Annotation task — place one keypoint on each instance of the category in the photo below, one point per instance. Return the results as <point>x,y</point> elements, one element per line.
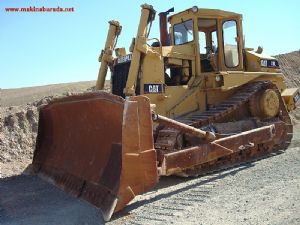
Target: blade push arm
<point>106,54</point>
<point>147,16</point>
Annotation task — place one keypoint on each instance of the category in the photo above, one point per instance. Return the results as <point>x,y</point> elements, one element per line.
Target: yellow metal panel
<point>186,51</point>
<point>168,99</point>
<point>289,92</point>
<point>183,103</point>
<point>174,61</point>
<point>237,78</point>
<point>106,54</point>
<point>136,55</point>
<point>178,100</point>
<point>152,70</point>
<point>289,97</point>
<point>203,13</point>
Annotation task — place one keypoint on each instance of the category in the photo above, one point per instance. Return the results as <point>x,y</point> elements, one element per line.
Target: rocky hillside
<point>290,66</point>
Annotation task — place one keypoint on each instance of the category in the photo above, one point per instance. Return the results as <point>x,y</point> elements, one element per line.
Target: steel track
<point>226,111</point>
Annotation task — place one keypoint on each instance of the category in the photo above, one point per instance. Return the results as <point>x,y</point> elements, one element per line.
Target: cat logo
<point>153,88</point>
<point>125,59</point>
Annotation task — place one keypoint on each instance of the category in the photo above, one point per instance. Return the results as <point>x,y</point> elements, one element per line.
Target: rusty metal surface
<point>97,147</point>
<point>168,139</point>
<point>76,147</point>
<point>139,171</point>
<point>209,136</point>
<point>76,134</point>
<point>177,161</point>
<point>256,136</point>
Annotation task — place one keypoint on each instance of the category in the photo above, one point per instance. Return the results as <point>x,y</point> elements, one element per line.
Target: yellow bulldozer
<point>194,101</point>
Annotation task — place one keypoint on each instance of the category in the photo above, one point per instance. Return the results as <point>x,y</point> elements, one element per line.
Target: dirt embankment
<point>19,112</point>
<point>19,121</point>
<point>22,96</point>
<point>18,128</point>
<point>290,66</point>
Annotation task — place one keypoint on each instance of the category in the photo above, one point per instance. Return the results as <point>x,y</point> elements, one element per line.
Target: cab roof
<point>205,13</point>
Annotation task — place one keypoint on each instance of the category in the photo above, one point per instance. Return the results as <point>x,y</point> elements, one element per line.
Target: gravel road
<point>262,192</point>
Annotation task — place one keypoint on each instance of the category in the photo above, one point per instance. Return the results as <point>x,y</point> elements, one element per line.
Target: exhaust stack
<point>163,25</point>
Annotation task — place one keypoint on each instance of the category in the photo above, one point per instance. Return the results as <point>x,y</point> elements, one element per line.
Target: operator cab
<point>208,44</point>
<point>216,35</point>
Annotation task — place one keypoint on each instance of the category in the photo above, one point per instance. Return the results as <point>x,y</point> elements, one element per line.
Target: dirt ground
<point>262,192</point>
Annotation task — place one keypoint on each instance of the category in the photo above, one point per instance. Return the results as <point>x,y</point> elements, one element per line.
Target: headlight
<point>264,63</point>
<point>270,63</point>
<point>218,78</point>
<point>195,9</point>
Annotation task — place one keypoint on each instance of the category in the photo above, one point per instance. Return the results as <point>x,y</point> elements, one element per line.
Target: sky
<point>51,47</point>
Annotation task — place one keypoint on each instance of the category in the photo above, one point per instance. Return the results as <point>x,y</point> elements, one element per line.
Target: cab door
<point>231,44</point>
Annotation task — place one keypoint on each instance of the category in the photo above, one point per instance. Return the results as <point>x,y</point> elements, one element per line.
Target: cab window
<point>202,42</point>
<point>183,32</point>
<point>214,41</point>
<point>208,44</point>
<point>230,44</point>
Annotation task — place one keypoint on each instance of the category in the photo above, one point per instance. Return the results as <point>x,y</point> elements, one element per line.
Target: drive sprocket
<point>264,104</point>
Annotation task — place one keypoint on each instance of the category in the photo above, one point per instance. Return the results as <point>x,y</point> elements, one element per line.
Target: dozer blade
<point>98,147</point>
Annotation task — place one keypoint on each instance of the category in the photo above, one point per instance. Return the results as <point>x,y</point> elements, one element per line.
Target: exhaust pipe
<point>163,25</point>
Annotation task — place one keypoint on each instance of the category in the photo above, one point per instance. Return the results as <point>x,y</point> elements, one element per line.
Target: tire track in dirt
<point>241,189</point>
<point>172,198</point>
